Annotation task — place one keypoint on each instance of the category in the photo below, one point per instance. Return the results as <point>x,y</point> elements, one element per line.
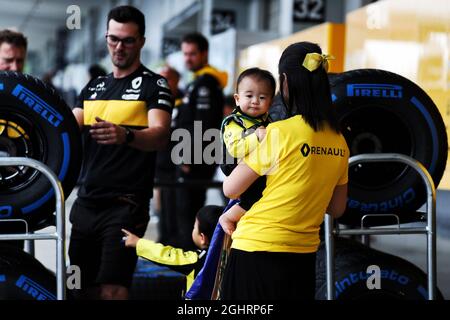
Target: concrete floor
<point>409,247</point>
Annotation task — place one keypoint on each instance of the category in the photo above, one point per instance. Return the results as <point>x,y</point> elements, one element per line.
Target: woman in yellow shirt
<point>305,160</point>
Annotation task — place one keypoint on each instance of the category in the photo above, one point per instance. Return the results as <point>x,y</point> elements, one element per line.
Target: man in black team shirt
<point>203,103</point>
<point>125,116</point>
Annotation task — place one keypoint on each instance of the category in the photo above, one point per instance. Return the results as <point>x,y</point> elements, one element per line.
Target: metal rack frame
<point>60,233</point>
<point>429,229</point>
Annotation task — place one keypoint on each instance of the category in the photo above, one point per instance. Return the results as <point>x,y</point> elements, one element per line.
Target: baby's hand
<point>260,133</point>
<point>227,225</point>
<point>130,239</point>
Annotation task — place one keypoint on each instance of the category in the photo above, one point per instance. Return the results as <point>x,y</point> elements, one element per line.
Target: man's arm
<point>79,116</point>
<point>154,137</point>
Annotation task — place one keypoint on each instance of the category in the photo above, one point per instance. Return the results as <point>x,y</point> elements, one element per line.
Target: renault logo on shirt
<point>136,83</point>
<point>306,150</point>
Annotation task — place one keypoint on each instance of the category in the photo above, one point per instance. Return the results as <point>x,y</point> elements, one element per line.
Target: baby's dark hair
<point>207,217</point>
<point>258,74</point>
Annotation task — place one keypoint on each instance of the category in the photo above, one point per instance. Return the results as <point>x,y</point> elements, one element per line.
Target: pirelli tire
<point>22,277</point>
<point>399,279</point>
<point>35,122</point>
<point>155,282</point>
<point>382,112</point>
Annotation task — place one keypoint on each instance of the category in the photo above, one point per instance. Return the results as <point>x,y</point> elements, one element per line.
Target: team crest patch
<point>162,83</point>
<point>136,83</point>
<point>203,92</point>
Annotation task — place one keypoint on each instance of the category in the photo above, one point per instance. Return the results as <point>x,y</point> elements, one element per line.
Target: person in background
<point>273,253</point>
<point>229,105</point>
<point>13,50</point>
<point>165,197</point>
<point>124,117</point>
<point>202,106</point>
<point>186,262</point>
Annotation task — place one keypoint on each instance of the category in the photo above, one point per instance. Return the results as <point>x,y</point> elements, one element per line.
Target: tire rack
<point>60,233</point>
<point>429,229</point>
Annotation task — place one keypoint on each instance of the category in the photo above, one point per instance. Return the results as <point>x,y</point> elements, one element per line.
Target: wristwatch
<point>129,135</point>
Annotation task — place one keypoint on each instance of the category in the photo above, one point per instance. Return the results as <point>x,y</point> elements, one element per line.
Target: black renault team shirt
<point>203,102</point>
<point>114,170</point>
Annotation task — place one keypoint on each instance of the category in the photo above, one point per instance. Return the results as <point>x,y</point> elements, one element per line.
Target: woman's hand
<point>130,239</point>
<point>227,224</point>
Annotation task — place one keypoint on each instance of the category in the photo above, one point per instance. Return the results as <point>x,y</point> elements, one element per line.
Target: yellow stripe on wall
<point>129,113</point>
<point>330,37</point>
<point>336,46</point>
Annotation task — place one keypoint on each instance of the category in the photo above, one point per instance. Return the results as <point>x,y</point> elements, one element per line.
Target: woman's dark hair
<point>258,74</point>
<point>207,217</point>
<point>125,14</point>
<point>309,92</point>
<point>198,39</point>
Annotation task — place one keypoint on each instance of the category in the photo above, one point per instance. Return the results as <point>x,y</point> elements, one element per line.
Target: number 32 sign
<point>309,10</point>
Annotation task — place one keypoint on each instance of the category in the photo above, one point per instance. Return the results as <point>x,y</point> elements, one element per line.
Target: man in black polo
<point>125,116</point>
<point>202,105</point>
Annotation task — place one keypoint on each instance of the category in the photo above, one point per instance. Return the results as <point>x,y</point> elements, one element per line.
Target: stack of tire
<point>380,112</point>
<point>399,279</point>
<point>34,123</point>
<point>22,277</point>
<point>154,282</point>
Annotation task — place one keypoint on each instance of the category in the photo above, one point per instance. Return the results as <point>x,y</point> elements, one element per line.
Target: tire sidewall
<point>416,113</point>
<point>53,121</point>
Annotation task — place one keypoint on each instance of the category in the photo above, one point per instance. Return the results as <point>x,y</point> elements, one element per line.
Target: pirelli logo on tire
<point>307,150</point>
<point>375,90</point>
<point>38,105</point>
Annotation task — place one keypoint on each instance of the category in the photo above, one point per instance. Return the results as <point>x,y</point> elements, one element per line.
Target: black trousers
<point>96,245</point>
<point>190,200</point>
<point>167,226</point>
<point>269,275</point>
